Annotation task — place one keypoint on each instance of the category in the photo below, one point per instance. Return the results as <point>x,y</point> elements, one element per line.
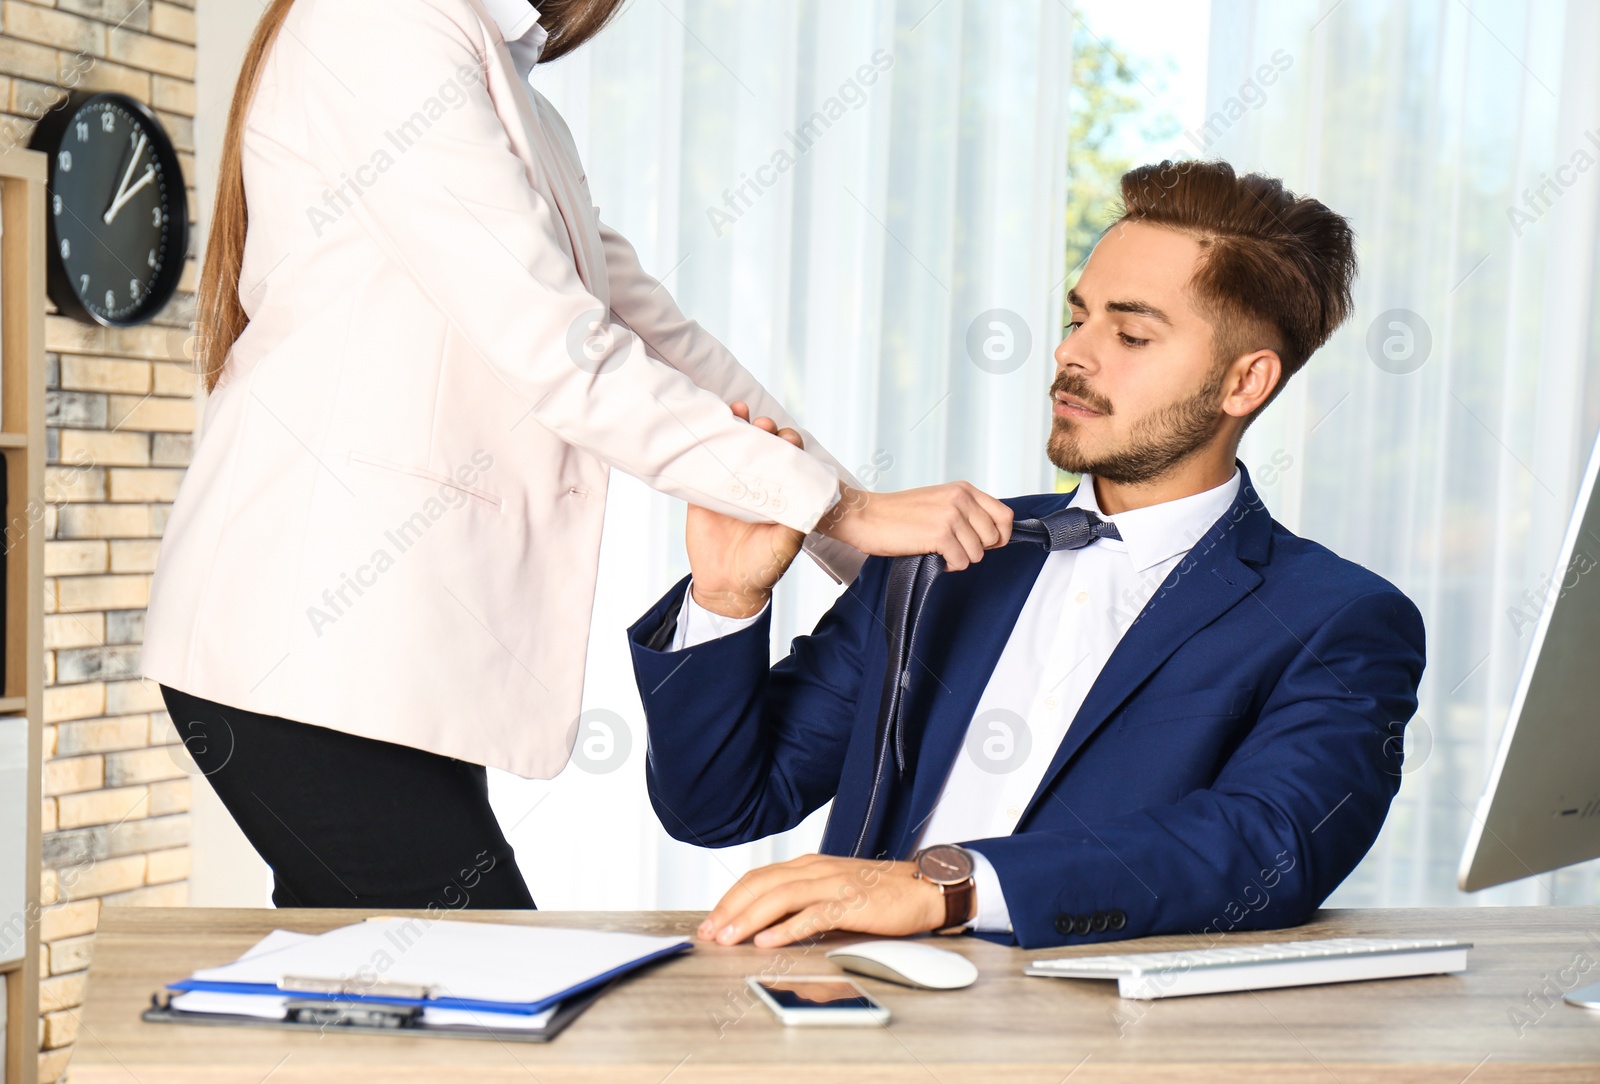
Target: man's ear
<point>1251,378</point>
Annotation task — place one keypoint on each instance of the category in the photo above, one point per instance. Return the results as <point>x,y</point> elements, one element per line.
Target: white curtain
<point>1440,438</point>
<point>865,200</point>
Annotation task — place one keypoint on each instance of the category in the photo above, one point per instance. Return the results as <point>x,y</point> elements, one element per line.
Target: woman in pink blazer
<point>425,352</point>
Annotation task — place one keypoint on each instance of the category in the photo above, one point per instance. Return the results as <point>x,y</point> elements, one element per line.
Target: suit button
<point>1116,920</point>
<point>1080,924</point>
<point>1099,921</point>
<point>1063,925</point>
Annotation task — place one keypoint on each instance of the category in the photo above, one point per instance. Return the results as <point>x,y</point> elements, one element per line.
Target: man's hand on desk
<point>807,896</point>
<point>736,564</point>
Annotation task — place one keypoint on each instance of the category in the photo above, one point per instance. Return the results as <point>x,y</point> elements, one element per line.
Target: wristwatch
<point>950,867</point>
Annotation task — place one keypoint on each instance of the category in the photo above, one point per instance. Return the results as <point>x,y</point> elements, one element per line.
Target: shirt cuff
<point>696,624</point>
<point>993,915</point>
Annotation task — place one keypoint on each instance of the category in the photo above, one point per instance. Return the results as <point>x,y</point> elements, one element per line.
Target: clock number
<point>65,159</point>
<point>66,248</point>
<point>83,131</point>
<point>107,122</point>
<point>133,288</point>
<point>55,203</point>
<point>83,284</point>
<point>151,259</point>
<point>155,215</point>
<point>111,300</point>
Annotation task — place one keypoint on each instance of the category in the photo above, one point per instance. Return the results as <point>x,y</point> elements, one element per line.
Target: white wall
<point>225,870</point>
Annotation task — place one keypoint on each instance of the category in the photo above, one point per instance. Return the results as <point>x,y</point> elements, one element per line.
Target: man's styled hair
<point>1275,268</point>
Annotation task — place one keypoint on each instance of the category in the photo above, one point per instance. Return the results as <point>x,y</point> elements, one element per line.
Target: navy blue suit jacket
<point>1232,762</point>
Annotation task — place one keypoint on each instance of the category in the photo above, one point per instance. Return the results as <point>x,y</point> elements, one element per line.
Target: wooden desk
<point>684,1021</point>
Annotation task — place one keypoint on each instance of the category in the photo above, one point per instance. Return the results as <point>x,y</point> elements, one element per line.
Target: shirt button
<point>1013,812</point>
<point>1052,702</point>
<point>1083,596</point>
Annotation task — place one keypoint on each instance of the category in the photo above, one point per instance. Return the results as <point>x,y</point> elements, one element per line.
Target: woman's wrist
<point>729,601</point>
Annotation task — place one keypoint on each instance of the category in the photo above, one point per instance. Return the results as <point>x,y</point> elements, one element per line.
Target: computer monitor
<point>1541,808</point>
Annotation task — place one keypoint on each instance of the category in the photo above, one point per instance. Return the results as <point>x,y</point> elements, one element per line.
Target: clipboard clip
<point>348,987</point>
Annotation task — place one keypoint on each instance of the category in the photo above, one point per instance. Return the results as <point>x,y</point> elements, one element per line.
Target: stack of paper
<point>462,974</point>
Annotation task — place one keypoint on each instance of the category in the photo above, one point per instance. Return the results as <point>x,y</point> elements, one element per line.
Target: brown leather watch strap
<point>957,906</point>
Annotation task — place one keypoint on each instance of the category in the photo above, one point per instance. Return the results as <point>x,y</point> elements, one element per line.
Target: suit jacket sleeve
<point>739,751</point>
<point>452,205</point>
<point>1294,808</point>
<point>641,302</point>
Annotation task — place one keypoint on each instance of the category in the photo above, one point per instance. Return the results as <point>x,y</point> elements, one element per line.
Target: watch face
<point>117,210</point>
<point>945,864</point>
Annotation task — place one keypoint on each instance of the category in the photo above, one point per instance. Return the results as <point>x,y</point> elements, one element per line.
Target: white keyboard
<point>1148,975</point>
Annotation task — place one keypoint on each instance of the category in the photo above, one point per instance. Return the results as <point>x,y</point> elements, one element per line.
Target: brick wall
<point>120,410</point>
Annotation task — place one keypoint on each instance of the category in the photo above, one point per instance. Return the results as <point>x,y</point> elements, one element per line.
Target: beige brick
<point>74,701</point>
<point>167,866</point>
<point>67,336</point>
<point>171,449</point>
<point>97,74</point>
<point>104,735</point>
<point>74,484</point>
<point>154,414</point>
<point>152,54</point>
<point>50,606</point>
<point>162,732</point>
<point>129,13</point>
<point>47,888</point>
<point>170,21</point>
<point>75,558</point>
<point>102,877</point>
<point>31,98</point>
<point>78,593</point>
<point>73,630</point>
<point>149,834</point>
<point>60,1029</point>
<point>72,774</point>
<point>175,379</point>
<point>134,554</point>
<point>104,807</point>
<point>128,697</point>
<point>71,954</point>
<point>61,992</point>
<point>102,521</point>
<point>47,815</point>
<point>142,766</point>
<point>49,667</point>
<point>147,484</point>
<point>57,28</point>
<point>171,894</point>
<point>105,449</point>
<point>28,59</point>
<point>169,797</point>
<point>68,920</point>
<point>87,373</point>
<point>152,342</point>
<point>173,95</point>
<point>53,1064</point>
<point>189,281</point>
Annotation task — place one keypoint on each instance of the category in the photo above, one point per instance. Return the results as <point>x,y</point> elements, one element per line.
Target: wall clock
<point>118,213</point>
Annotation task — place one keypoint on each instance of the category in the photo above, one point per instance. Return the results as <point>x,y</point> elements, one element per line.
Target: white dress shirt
<point>1074,616</point>
<point>518,21</point>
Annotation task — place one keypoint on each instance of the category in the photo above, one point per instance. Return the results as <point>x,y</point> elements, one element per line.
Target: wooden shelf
<point>23,229</point>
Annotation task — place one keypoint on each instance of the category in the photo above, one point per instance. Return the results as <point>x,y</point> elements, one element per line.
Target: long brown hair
<point>219,317</point>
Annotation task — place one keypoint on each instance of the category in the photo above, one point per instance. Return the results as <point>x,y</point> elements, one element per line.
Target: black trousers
<point>346,821</point>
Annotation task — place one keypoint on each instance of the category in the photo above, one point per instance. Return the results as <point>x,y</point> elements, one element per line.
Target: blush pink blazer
<point>391,524</point>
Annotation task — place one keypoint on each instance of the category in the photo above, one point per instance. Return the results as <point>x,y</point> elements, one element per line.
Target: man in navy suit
<point>1178,717</point>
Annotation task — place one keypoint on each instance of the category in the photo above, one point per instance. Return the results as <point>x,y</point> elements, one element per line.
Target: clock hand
<point>149,175</point>
<point>120,198</point>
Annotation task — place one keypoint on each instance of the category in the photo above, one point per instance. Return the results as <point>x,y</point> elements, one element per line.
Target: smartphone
<point>818,999</point>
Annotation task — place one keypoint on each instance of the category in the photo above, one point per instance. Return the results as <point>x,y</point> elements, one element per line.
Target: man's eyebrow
<point>1132,308</point>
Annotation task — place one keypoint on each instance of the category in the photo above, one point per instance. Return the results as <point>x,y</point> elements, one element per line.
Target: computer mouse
<point>910,963</point>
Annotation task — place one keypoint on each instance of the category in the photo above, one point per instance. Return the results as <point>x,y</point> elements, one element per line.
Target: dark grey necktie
<point>910,581</point>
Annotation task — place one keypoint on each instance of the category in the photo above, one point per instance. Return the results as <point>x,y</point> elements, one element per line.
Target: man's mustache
<point>1076,386</point>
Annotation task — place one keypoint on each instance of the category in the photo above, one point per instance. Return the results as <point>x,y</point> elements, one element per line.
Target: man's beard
<point>1158,443</point>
